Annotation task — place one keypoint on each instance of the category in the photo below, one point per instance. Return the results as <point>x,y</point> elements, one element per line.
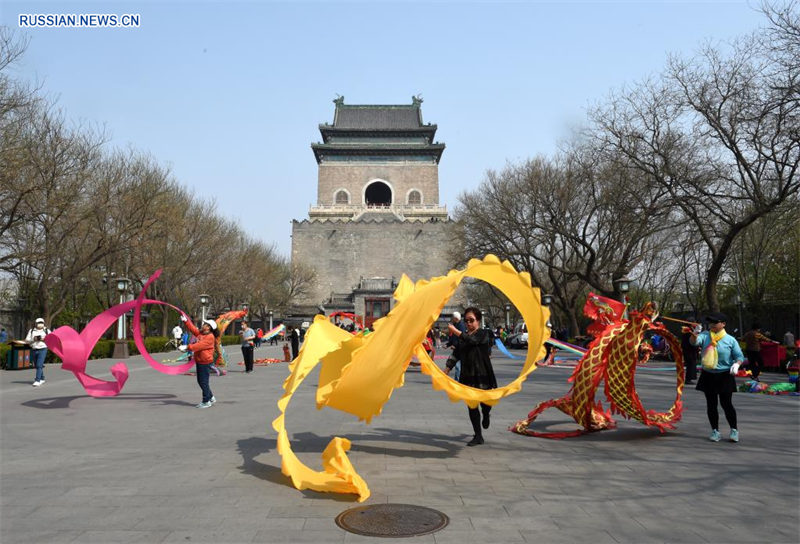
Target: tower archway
<point>378,193</point>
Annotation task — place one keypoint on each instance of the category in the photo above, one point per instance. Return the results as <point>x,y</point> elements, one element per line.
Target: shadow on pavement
<point>50,403</point>
<point>250,448</point>
<point>438,447</point>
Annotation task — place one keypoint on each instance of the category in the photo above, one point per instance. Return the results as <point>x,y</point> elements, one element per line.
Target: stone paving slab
<point>147,466</point>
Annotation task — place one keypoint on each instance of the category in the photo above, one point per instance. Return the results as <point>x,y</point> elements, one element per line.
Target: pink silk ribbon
<point>74,349</point>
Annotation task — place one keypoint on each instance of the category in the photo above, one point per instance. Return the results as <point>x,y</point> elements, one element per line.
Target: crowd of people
<point>718,353</point>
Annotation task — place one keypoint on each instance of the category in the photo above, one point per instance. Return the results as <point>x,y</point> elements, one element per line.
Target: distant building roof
<point>377,117</point>
<point>391,130</point>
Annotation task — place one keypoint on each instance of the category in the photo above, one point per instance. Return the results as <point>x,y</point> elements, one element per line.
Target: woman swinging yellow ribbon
<point>358,373</point>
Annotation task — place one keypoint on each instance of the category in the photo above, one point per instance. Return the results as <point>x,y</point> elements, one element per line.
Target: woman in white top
<point>35,339</point>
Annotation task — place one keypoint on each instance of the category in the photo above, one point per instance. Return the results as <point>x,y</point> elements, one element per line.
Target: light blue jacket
<point>728,351</point>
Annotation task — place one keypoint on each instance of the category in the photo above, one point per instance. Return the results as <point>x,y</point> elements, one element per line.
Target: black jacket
<point>476,366</point>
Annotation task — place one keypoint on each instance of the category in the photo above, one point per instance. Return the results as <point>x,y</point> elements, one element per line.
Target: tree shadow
<point>50,403</point>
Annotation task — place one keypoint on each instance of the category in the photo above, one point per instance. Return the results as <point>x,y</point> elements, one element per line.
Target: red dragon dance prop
<point>612,356</point>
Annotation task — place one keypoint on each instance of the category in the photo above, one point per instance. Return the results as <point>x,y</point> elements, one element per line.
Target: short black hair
<point>474,311</point>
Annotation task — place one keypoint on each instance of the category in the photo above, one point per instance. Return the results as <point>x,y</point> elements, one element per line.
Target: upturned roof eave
<point>433,150</point>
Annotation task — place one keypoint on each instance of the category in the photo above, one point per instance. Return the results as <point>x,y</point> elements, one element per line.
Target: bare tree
<point>766,260</point>
<point>720,133</point>
<point>18,107</point>
<point>572,223</point>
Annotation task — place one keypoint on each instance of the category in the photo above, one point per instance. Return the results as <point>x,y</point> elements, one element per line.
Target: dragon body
<point>612,357</point>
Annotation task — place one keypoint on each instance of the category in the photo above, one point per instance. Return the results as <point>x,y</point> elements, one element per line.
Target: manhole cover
<point>392,520</point>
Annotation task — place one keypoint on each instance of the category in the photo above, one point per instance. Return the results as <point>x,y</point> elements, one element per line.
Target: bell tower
<point>377,213</point>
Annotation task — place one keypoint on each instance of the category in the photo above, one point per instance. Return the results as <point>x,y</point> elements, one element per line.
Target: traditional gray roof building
<point>377,133</point>
<point>378,158</point>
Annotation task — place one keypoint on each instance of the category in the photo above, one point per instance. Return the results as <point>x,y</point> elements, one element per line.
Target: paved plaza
<point>147,466</point>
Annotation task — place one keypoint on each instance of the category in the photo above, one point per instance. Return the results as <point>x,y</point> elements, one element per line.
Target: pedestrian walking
<point>476,366</point>
<point>453,339</point>
<point>752,349</point>
<point>721,358</point>
<point>203,351</point>
<point>294,339</point>
<point>248,341</point>
<point>35,338</point>
<point>788,339</point>
<point>177,334</point>
<point>689,351</point>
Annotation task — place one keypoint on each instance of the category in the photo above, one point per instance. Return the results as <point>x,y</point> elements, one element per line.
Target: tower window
<point>414,197</point>
<point>342,197</point>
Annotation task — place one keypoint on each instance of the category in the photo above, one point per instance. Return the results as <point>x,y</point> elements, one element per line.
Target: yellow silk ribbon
<point>359,373</point>
<point>710,356</point>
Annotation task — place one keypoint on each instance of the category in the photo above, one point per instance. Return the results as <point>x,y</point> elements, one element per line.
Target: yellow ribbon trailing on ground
<point>359,373</point>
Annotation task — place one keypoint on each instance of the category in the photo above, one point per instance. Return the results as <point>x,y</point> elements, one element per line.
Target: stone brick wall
<point>343,252</point>
<point>402,177</point>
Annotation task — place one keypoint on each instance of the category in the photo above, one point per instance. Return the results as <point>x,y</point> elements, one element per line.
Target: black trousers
<point>475,417</point>
<point>247,353</point>
<point>726,401</point>
<point>755,362</point>
<point>690,362</point>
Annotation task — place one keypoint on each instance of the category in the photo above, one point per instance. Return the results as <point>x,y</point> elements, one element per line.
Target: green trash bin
<point>19,356</point>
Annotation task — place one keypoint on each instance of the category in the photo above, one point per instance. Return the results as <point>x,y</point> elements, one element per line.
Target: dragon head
<point>650,310</point>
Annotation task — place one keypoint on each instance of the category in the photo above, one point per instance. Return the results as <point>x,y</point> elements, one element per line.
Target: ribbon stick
<point>677,320</point>
<point>577,350</point>
<point>359,373</point>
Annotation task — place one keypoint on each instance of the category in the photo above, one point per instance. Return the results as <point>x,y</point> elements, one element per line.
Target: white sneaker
<point>204,405</point>
<point>41,382</point>
<point>37,383</point>
<point>213,400</point>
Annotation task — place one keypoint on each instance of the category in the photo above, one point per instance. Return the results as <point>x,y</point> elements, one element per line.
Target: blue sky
<point>230,94</point>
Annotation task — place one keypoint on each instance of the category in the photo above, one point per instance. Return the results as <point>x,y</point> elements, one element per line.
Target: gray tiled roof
<point>377,117</point>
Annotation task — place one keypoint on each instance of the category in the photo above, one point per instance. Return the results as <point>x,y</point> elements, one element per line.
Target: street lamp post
<point>204,299</point>
<point>623,286</point>
<point>508,310</point>
<point>547,300</point>
<point>270,320</point>
<point>22,302</point>
<point>739,310</point>
<point>121,344</point>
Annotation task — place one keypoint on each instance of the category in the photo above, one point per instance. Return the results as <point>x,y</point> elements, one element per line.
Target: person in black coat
<point>476,366</point>
<point>294,338</point>
<point>689,355</point>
